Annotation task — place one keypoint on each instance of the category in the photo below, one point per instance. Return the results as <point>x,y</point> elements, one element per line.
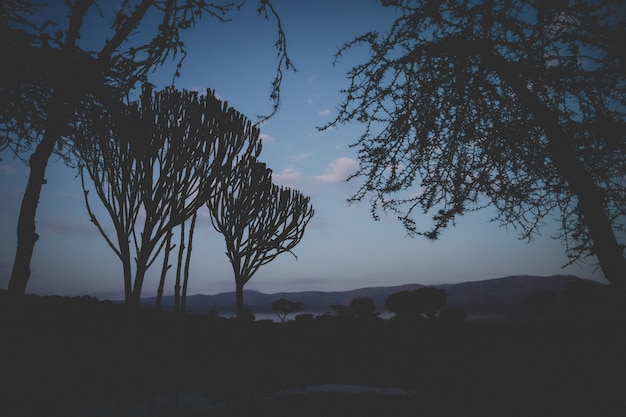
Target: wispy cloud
<point>338,170</point>
<point>7,169</point>
<point>324,112</point>
<point>288,177</point>
<point>299,157</point>
<point>265,138</point>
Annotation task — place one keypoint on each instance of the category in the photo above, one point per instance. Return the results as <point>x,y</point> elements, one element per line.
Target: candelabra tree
<point>62,56</point>
<point>153,164</point>
<point>259,220</point>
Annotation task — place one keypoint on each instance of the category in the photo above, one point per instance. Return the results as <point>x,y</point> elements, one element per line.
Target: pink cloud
<point>338,170</point>
<point>7,169</point>
<point>288,176</point>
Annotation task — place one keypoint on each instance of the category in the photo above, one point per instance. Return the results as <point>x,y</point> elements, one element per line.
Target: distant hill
<point>496,298</point>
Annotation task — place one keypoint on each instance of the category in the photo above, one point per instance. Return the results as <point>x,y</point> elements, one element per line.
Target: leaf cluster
<point>447,132</point>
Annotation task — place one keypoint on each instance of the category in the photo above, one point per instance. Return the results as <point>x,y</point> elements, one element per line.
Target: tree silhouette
<point>402,304</point>
<point>283,307</point>
<point>516,105</point>
<point>258,219</point>
<point>154,164</point>
<point>363,308</point>
<point>430,300</point>
<point>424,301</point>
<point>50,78</point>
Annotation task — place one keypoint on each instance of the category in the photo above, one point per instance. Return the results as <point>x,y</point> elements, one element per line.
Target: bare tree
<point>259,220</point>
<point>154,164</point>
<point>48,77</point>
<point>514,104</point>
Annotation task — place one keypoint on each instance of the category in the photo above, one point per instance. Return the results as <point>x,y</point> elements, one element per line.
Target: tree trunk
<point>590,206</point>
<point>183,301</point>
<point>26,234</point>
<point>239,299</point>
<point>166,267</point>
<point>179,266</point>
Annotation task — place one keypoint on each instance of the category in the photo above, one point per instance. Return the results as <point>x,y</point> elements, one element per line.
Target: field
<point>61,357</point>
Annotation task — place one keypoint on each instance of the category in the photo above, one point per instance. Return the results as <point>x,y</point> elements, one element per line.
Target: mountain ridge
<point>497,297</point>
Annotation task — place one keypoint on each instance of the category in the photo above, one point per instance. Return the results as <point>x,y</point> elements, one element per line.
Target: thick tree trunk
<point>26,230</point>
<point>590,205</point>
<point>239,299</point>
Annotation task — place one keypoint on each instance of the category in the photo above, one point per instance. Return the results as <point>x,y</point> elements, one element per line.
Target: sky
<point>343,247</point>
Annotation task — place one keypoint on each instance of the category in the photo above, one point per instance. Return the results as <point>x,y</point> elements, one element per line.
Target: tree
<point>514,104</point>
<point>424,301</point>
<point>50,77</point>
<point>283,307</point>
<point>153,165</point>
<point>430,300</point>
<point>364,308</point>
<point>402,304</point>
<point>258,219</point>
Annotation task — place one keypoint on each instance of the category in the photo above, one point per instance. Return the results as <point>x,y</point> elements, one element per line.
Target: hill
<point>496,298</point>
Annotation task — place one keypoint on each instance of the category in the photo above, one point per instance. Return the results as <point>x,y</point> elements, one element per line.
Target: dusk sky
<point>343,247</point>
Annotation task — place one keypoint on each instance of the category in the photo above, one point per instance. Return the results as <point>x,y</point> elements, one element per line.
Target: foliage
<point>283,307</point>
<point>518,105</point>
<point>154,164</point>
<point>430,300</point>
<point>364,308</point>
<point>51,77</point>
<point>46,58</point>
<point>424,301</point>
<point>259,220</point>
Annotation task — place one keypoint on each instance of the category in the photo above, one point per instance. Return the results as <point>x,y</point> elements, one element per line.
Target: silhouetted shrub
<point>363,308</point>
<point>304,318</point>
<point>402,304</point>
<point>425,301</point>
<point>430,300</point>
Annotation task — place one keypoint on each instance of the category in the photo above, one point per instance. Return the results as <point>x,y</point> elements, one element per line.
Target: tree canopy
<point>514,104</point>
<point>259,220</point>
<point>50,74</point>
<point>154,163</point>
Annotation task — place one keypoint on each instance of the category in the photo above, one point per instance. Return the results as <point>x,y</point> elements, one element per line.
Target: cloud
<point>7,169</point>
<point>338,170</point>
<point>324,112</point>
<point>299,157</point>
<point>266,138</point>
<point>288,176</point>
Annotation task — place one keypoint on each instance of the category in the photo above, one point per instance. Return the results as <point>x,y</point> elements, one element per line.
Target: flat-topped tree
<point>153,164</point>
<point>259,220</point>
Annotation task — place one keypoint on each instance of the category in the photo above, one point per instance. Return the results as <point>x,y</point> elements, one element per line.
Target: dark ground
<point>59,356</point>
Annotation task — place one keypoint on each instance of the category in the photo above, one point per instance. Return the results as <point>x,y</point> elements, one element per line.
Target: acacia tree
<point>154,164</point>
<point>259,220</point>
<point>513,104</point>
<point>283,307</point>
<point>50,76</point>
